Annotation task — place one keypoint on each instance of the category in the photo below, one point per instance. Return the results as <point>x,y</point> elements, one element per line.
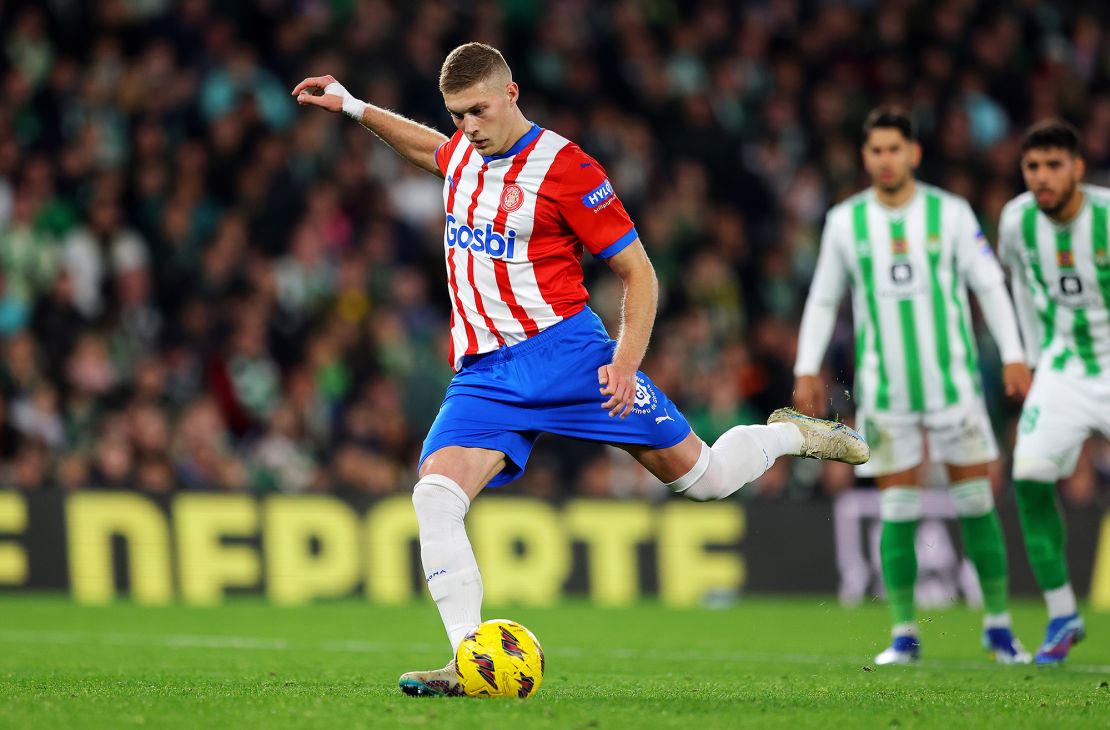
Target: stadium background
<point>204,288</point>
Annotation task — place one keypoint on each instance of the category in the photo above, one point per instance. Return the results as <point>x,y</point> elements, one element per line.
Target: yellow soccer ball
<point>500,658</point>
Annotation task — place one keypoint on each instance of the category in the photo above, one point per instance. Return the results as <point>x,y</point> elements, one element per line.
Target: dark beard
<point>1065,200</point>
<point>895,187</point>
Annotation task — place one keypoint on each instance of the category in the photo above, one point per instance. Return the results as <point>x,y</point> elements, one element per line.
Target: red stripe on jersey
<point>505,287</point>
<point>451,339</point>
<point>471,336</point>
<point>510,177</point>
<point>478,304</point>
<point>558,268</point>
<point>454,182</point>
<point>444,151</point>
<point>477,194</point>
<point>500,269</point>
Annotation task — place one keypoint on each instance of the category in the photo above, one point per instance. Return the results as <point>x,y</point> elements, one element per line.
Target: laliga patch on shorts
<point>646,400</point>
<point>598,195</point>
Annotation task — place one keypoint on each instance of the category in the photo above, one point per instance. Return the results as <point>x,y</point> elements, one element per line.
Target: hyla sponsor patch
<point>599,195</point>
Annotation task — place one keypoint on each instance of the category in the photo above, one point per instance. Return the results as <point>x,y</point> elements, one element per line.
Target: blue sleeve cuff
<point>618,245</point>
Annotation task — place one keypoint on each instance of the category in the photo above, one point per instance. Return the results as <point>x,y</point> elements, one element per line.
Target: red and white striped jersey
<point>516,226</point>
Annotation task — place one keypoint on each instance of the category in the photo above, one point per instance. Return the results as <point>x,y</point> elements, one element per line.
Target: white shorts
<point>1060,412</point>
<point>960,435</point>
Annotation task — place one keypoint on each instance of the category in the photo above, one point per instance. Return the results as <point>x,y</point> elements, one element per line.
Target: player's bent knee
<point>686,482</point>
<point>734,461</point>
<point>435,493</point>
<point>704,482</point>
<point>705,490</point>
<point>1035,469</point>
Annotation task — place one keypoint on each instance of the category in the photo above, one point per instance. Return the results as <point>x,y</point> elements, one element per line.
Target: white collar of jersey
<point>903,209</point>
<point>521,143</point>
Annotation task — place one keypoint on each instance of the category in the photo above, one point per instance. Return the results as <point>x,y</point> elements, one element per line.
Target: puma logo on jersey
<point>665,417</point>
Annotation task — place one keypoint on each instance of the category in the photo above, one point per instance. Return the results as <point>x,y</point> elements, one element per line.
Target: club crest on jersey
<point>479,240</point>
<point>512,197</point>
<point>899,247</point>
<point>1065,259</point>
<point>596,197</point>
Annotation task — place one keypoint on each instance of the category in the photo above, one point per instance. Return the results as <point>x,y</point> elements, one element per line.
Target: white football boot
<point>823,439</point>
<point>902,650</point>
<point>432,683</point>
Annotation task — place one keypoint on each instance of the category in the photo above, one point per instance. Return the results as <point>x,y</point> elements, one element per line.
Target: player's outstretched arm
<point>413,141</point>
<point>641,297</point>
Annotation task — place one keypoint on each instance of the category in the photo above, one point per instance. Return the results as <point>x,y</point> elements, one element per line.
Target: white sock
<point>900,504</point>
<point>739,456</point>
<point>777,439</point>
<point>903,630</point>
<point>449,564</point>
<point>997,620</point>
<point>972,497</point>
<point>1061,601</point>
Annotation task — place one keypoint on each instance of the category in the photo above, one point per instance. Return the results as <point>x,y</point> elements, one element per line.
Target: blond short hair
<point>469,64</point>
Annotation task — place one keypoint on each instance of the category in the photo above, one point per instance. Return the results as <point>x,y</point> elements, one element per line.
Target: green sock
<point>1043,528</point>
<point>899,558</point>
<point>983,541</point>
<point>984,545</point>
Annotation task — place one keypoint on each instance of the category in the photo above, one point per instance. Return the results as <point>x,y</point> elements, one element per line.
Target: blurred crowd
<point>203,286</point>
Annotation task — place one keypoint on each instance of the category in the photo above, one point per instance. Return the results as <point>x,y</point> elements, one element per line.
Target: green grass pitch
<point>797,662</point>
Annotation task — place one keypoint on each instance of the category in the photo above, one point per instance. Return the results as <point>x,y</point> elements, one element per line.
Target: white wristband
<point>352,107</point>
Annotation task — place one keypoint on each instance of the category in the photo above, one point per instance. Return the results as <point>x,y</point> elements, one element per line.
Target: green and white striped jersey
<point>909,269</point>
<point>1061,282</point>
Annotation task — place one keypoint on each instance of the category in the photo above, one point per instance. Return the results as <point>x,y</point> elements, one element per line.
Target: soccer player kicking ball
<point>1053,239</point>
<point>521,202</point>
<point>909,251</point>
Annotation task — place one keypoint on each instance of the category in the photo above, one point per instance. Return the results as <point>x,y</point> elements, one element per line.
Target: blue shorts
<point>505,399</point>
